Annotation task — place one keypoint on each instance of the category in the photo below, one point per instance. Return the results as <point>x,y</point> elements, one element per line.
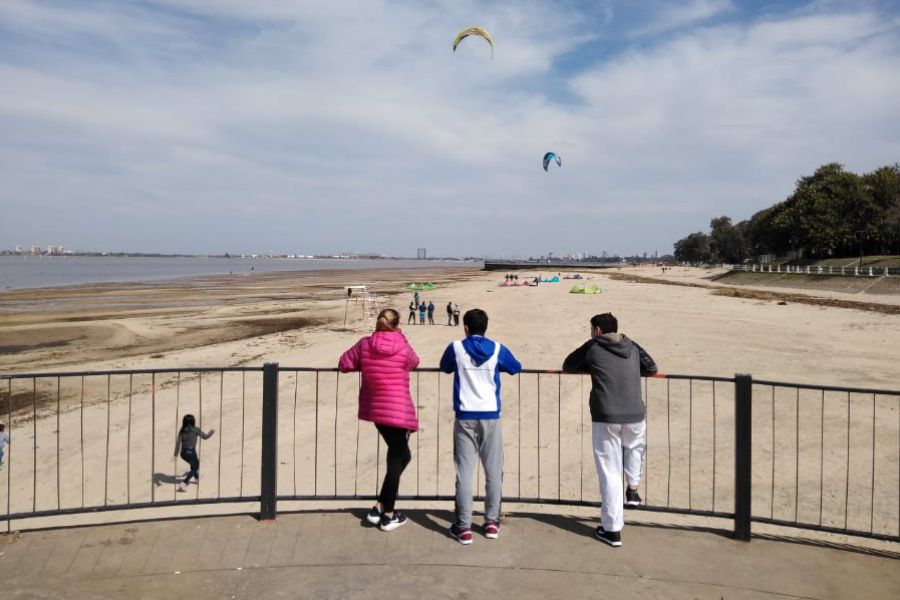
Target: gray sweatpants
<point>474,439</point>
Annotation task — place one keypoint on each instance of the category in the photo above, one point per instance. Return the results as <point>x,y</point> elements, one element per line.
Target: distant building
<point>35,250</point>
<point>421,254</point>
<point>18,249</point>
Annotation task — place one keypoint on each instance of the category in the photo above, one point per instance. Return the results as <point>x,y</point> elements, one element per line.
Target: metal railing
<point>813,457</point>
<point>819,270</point>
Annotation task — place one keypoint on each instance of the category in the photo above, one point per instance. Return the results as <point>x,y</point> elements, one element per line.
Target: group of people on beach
<point>423,309</point>
<point>385,358</point>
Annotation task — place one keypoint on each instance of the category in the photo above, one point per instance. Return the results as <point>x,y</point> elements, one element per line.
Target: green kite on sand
<point>585,289</point>
<point>421,286</point>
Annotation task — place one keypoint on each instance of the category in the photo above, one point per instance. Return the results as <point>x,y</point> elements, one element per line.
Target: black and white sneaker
<point>374,516</point>
<point>391,523</point>
<point>613,538</point>
<point>632,498</point>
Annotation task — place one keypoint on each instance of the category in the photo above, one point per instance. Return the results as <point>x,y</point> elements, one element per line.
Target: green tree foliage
<point>726,241</point>
<point>832,212</point>
<point>694,248</point>
<point>883,188</point>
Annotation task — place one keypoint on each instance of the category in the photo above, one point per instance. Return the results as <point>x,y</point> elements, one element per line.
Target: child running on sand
<point>187,443</point>
<point>4,439</point>
<point>476,363</point>
<point>385,359</point>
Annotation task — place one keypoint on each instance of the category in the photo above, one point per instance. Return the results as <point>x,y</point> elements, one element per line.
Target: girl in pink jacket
<point>385,359</point>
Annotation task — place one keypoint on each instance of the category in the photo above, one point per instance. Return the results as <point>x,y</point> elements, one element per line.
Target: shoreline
<point>264,265</point>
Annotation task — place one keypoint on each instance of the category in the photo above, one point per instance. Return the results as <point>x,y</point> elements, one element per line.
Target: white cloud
<point>300,125</point>
<point>669,15</point>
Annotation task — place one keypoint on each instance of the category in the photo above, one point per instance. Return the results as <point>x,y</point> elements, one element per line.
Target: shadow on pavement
<point>439,520</point>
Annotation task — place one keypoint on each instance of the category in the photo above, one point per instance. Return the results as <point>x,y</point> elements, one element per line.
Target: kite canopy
<point>554,279</point>
<point>477,31</point>
<point>585,289</point>
<point>421,286</point>
<point>551,157</point>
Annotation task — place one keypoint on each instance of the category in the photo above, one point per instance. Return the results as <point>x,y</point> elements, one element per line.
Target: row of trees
<point>832,213</point>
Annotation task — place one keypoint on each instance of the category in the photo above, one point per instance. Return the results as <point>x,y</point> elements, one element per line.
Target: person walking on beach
<point>430,312</point>
<point>476,363</point>
<point>449,314</point>
<point>618,417</point>
<point>455,314</point>
<point>186,442</point>
<point>385,359</point>
<point>4,440</point>
<point>412,314</point>
<point>423,308</point>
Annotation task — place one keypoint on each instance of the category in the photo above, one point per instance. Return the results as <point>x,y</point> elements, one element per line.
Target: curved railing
<point>813,457</point>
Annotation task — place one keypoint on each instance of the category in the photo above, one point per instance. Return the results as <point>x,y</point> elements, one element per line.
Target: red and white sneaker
<point>463,535</point>
<point>492,530</point>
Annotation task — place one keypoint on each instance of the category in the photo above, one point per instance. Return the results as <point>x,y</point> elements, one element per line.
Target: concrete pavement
<point>333,554</point>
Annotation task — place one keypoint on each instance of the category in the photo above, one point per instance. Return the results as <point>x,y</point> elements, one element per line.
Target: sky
<point>211,126</point>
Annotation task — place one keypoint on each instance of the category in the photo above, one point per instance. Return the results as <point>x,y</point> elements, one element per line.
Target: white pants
<point>611,442</point>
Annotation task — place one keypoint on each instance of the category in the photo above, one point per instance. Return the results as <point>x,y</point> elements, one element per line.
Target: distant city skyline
<point>198,127</point>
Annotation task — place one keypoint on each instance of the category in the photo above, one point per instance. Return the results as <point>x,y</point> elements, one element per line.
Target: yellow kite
<point>473,31</point>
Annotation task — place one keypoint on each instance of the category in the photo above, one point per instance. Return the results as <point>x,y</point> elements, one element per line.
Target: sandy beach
<point>685,320</point>
<point>296,319</point>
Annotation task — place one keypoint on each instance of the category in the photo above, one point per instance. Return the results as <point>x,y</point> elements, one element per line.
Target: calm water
<point>18,272</point>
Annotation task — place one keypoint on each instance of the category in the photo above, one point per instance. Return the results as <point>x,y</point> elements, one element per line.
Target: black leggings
<point>398,456</point>
<point>190,456</point>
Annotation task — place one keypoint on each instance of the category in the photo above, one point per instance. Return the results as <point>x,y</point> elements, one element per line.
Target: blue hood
<point>479,348</point>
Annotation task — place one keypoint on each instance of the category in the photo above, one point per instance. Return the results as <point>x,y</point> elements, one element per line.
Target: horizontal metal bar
<point>827,388</point>
<point>130,372</point>
<point>825,529</point>
<point>87,510</point>
<point>525,372</point>
<point>546,501</point>
<point>675,376</point>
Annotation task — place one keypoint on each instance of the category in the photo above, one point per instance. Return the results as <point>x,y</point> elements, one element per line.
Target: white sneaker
<point>393,522</point>
<point>181,487</point>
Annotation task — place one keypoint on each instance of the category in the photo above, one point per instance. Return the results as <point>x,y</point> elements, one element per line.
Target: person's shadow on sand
<point>161,478</point>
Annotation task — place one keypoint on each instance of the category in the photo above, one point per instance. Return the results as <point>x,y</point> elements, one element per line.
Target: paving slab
<point>335,554</point>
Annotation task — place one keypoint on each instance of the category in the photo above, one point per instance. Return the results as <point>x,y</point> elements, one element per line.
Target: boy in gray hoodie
<point>618,415</point>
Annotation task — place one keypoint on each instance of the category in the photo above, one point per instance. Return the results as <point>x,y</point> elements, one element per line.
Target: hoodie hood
<point>387,343</point>
<point>479,348</point>
<point>616,343</point>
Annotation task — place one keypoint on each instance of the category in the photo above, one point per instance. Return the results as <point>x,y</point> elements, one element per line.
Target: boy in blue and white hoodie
<point>476,363</point>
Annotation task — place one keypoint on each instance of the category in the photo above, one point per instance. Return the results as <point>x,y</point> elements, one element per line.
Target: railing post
<point>269,466</point>
<point>743,431</point>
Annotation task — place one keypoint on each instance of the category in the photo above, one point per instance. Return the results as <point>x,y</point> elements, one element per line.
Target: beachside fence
<point>812,457</point>
<point>845,271</point>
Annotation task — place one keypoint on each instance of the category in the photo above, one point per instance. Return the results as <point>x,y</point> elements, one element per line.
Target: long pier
<point>512,265</point>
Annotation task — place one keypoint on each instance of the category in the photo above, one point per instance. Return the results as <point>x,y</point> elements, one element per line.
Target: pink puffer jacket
<point>385,359</point>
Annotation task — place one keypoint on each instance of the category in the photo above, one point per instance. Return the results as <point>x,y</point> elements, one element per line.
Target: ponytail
<point>388,320</point>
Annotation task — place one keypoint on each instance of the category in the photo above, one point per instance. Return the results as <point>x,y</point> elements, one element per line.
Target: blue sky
<point>212,126</point>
